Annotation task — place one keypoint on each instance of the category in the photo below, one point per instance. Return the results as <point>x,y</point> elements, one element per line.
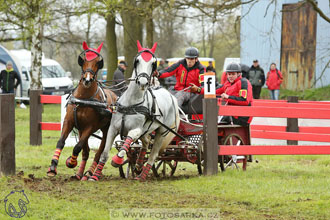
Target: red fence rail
<point>281,109</point>
<point>50,99</point>
<point>275,112</point>
<point>262,108</point>
<point>274,150</point>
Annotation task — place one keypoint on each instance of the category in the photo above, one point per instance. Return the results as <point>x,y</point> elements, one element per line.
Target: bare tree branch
<point>318,10</point>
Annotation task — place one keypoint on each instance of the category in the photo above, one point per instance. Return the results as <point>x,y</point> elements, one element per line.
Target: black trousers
<point>256,91</point>
<point>236,121</point>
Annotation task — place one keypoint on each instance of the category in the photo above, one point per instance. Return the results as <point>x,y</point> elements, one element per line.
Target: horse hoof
<point>69,165</point>
<point>140,179</point>
<point>77,177</point>
<point>51,172</point>
<point>93,178</point>
<point>88,173</point>
<point>117,161</point>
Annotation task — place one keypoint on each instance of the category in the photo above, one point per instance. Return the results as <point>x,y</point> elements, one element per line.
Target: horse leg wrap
<point>81,168</point>
<point>52,169</point>
<point>71,162</point>
<point>92,168</point>
<point>90,171</point>
<point>143,175</point>
<point>117,160</point>
<point>57,154</point>
<point>140,159</point>
<point>98,173</point>
<point>127,144</point>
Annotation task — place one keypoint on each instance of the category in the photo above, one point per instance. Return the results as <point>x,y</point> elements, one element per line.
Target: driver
<point>235,91</point>
<point>186,71</point>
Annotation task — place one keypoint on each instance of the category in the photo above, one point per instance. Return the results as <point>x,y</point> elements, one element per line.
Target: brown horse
<point>86,111</point>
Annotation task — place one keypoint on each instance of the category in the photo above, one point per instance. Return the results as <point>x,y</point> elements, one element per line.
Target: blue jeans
<point>274,94</point>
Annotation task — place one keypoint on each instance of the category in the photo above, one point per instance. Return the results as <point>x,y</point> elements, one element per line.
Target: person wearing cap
<point>210,68</point>
<point>7,79</point>
<point>237,90</point>
<point>186,71</point>
<point>119,78</point>
<point>256,76</point>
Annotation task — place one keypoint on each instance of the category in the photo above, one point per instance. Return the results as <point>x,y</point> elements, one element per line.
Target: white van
<point>54,79</point>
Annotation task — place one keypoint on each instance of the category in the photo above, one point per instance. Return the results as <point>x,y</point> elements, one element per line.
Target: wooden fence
<point>291,109</point>
<point>7,134</point>
<point>260,108</point>
<point>282,109</point>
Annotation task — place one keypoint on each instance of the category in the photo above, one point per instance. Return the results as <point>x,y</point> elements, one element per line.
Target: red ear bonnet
<point>91,55</point>
<point>145,55</point>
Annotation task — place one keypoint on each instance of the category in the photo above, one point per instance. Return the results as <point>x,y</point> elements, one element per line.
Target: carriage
<point>153,133</point>
<point>191,149</point>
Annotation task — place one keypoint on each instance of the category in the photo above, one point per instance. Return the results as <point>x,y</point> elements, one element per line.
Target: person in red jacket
<point>223,77</point>
<point>235,91</point>
<point>186,71</point>
<point>273,81</point>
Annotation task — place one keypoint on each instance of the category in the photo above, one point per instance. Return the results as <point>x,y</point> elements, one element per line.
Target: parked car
<point>55,81</point>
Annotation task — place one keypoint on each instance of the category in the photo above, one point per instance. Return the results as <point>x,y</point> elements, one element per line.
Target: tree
<point>26,20</point>
<point>111,41</point>
<point>318,10</point>
<point>132,32</point>
<point>30,22</point>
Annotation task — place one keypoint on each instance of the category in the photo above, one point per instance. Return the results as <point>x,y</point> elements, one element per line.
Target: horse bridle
<point>81,60</point>
<point>143,74</point>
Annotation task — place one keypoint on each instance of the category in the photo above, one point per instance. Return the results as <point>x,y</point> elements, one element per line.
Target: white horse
<point>140,111</point>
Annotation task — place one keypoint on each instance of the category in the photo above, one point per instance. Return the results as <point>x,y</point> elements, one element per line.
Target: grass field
<point>319,94</point>
<point>278,187</point>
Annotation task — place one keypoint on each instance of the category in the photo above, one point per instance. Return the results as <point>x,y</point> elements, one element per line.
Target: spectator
<point>7,79</point>
<point>210,68</point>
<point>161,65</point>
<point>119,78</point>
<point>186,71</point>
<point>274,81</point>
<point>235,91</point>
<point>256,76</point>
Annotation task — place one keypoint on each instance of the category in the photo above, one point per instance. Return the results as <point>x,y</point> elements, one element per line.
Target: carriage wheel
<point>172,165</point>
<point>200,156</point>
<point>230,160</point>
<point>126,170</point>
